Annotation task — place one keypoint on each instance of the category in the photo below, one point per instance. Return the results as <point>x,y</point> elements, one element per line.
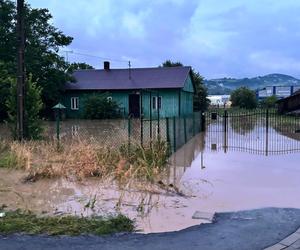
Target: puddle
<point>62,196</point>
<point>219,174</point>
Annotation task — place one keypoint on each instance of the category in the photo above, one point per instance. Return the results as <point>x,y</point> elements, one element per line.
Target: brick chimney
<point>106,65</point>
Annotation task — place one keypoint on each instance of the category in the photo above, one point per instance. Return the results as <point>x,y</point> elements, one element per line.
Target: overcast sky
<point>232,38</point>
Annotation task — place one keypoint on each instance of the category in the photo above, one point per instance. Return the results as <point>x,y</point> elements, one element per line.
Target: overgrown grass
<point>29,223</point>
<point>7,158</point>
<point>144,162</point>
<point>10,158</point>
<point>86,158</point>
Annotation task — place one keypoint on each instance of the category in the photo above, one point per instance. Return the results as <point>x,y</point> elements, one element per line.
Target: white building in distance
<point>219,100</point>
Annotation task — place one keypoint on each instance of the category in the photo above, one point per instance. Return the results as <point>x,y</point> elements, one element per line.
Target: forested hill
<point>226,85</point>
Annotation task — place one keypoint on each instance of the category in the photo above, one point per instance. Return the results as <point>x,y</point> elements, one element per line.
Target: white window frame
<point>74,103</point>
<point>155,102</point>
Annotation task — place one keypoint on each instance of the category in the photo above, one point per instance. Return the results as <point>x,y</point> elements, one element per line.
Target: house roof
<point>118,79</point>
<point>294,95</point>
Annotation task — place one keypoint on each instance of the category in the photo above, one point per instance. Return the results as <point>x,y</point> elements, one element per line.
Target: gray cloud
<point>236,38</point>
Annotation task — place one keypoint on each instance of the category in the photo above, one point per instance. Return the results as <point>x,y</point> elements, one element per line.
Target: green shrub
<point>99,106</point>
<point>269,102</point>
<point>243,97</point>
<point>33,105</point>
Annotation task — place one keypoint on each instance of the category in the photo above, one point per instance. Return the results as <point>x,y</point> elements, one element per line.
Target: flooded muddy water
<point>216,171</point>
<point>92,197</point>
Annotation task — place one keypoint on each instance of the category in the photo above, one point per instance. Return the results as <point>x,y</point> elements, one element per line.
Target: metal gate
<point>257,131</point>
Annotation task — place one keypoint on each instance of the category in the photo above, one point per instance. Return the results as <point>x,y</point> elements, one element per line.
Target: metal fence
<point>113,132</point>
<point>258,131</point>
<point>175,130</point>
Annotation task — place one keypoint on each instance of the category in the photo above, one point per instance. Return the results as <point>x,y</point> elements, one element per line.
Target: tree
<point>78,66</point>
<point>43,41</point>
<point>269,102</point>
<point>200,99</point>
<point>169,63</point>
<point>243,97</point>
<point>33,105</point>
<point>5,83</point>
<point>100,106</point>
<point>201,102</point>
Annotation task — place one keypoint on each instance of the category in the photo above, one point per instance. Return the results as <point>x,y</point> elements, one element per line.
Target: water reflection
<point>236,171</point>
<point>253,136</point>
<point>250,136</point>
<point>242,125</point>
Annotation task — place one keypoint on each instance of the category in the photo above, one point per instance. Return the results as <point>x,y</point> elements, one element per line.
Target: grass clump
<point>29,223</point>
<point>145,162</point>
<point>87,158</point>
<point>8,160</point>
<point>10,157</point>
<point>7,157</point>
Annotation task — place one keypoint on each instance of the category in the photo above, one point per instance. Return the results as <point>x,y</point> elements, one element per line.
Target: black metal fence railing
<point>175,130</point>
<point>257,131</point>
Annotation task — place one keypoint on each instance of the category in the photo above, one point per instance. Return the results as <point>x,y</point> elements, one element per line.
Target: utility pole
<point>67,54</point>
<point>20,70</point>
<point>129,68</point>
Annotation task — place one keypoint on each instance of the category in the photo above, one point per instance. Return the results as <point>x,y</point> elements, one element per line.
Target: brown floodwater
<point>216,171</point>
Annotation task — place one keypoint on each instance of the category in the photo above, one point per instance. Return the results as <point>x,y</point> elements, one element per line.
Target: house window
<point>156,102</point>
<point>74,103</point>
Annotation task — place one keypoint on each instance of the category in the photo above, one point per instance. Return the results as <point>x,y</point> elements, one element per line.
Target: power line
<point>67,54</point>
<point>99,57</point>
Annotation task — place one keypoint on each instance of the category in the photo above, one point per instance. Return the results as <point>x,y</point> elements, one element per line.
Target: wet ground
<point>247,230</point>
<point>217,172</point>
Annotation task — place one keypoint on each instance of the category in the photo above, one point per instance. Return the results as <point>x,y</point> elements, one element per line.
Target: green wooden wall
<point>121,97</point>
<point>175,102</point>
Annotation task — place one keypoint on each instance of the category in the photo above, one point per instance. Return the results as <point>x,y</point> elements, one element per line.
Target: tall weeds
<point>86,158</point>
<point>9,158</point>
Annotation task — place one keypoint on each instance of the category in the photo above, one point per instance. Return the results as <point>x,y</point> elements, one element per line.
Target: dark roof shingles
<point>118,79</point>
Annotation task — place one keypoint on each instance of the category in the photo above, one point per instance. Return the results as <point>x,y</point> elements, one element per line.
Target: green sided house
<point>139,92</point>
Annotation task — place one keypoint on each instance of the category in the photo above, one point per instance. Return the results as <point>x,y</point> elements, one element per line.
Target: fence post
<point>267,130</point>
<point>142,130</point>
<point>202,121</point>
<point>158,114</point>
<point>167,130</point>
<point>129,129</point>
<point>225,120</point>
<point>184,126</point>
<point>194,132</point>
<point>174,133</point>
<point>225,131</point>
<point>150,116</point>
